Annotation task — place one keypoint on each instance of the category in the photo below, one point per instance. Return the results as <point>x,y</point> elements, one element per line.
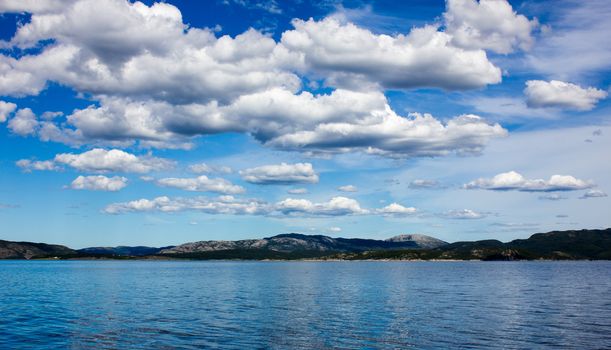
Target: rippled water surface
<point>304,305</point>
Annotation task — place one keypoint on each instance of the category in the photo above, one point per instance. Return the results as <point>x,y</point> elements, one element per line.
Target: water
<point>304,305</point>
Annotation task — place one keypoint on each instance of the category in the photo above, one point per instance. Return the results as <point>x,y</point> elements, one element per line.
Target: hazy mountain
<point>122,250</point>
<point>28,250</point>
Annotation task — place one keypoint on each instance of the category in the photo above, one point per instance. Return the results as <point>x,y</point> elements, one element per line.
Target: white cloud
<point>114,160</point>
<point>513,181</point>
<point>202,184</point>
<point>227,205</point>
<point>51,115</point>
<point>122,48</point>
<point>488,24</point>
<point>348,55</point>
<point>396,209</point>
<point>99,183</point>
<point>203,168</point>
<point>100,160</point>
<point>334,229</point>
<point>556,93</point>
<point>92,38</point>
<point>390,135</point>
<point>161,83</point>
<point>28,165</point>
<point>123,119</point>
<point>348,188</point>
<point>423,183</point>
<point>463,214</point>
<point>24,122</point>
<point>280,174</point>
<point>34,6</point>
<point>336,206</point>
<point>339,122</point>
<point>297,191</point>
<point>6,109</point>
<point>594,194</point>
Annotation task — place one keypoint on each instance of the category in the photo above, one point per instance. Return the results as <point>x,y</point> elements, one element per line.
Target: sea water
<point>304,305</point>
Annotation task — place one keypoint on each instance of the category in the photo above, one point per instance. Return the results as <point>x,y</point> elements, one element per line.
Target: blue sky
<point>155,124</point>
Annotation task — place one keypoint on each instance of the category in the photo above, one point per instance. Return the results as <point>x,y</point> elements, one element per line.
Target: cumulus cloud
<point>297,191</point>
<point>396,209</point>
<point>280,174</point>
<point>339,122</point>
<point>99,160</point>
<point>202,184</point>
<point>390,135</point>
<point>34,6</point>
<point>488,24</point>
<point>593,194</point>
<point>423,183</point>
<point>348,188</point>
<point>348,55</point>
<point>560,94</point>
<point>99,183</point>
<point>513,181</point>
<point>28,165</point>
<point>6,109</point>
<point>336,206</point>
<point>114,160</point>
<point>23,123</point>
<point>203,168</point>
<point>119,119</point>
<point>463,214</point>
<point>49,115</point>
<point>227,205</point>
<point>160,82</point>
<point>109,47</point>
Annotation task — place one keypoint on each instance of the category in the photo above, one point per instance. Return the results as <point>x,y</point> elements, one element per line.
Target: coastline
<point>155,259</point>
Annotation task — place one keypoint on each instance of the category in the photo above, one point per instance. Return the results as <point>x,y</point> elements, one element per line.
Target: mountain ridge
<point>555,245</point>
<point>28,250</point>
<point>290,242</point>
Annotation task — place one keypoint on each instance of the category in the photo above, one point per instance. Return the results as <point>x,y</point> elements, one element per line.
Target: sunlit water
<point>304,305</point>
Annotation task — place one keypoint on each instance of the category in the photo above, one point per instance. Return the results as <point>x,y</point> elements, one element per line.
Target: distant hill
<point>556,245</point>
<point>303,245</point>
<point>28,250</point>
<point>423,241</point>
<point>122,251</point>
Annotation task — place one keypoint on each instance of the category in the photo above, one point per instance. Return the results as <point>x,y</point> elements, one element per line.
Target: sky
<point>159,123</point>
